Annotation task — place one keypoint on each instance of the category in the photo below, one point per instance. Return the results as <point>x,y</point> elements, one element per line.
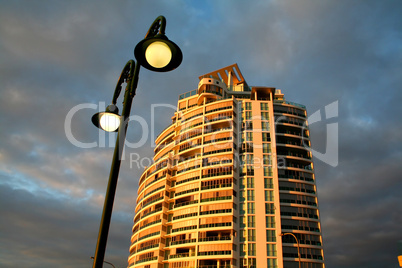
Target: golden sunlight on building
<point>231,183</point>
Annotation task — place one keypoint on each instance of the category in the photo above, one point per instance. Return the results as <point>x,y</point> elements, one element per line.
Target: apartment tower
<point>232,183</point>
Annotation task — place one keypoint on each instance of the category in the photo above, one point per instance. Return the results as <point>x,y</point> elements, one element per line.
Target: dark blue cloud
<point>58,54</point>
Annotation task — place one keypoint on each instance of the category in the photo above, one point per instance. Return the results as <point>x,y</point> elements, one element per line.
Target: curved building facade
<point>232,183</point>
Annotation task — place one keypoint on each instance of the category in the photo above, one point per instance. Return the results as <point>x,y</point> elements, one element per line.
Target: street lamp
<point>107,262</point>
<point>156,53</point>
<point>297,241</point>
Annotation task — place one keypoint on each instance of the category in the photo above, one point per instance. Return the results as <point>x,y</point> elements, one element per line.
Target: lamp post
<point>156,53</point>
<point>107,262</point>
<point>298,248</point>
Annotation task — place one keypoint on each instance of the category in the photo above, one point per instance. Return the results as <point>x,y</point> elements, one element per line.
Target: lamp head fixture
<point>108,120</point>
<point>158,54</point>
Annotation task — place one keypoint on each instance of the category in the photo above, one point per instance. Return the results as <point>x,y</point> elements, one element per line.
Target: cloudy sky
<point>57,56</point>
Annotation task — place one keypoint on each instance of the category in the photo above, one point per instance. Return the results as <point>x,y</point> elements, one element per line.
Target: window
<point>247,105</point>
<point>268,171</point>
<point>250,195</point>
<point>250,182</point>
<point>251,208</point>
<point>249,136</point>
<point>268,184</point>
<point>248,115</point>
<point>264,106</point>
<point>266,136</point>
<point>269,208</point>
<point>266,148</point>
<point>269,195</point>
<point>264,126</point>
<point>267,159</point>
<point>251,235</point>
<point>271,250</point>
<point>264,116</point>
<point>249,159</point>
<point>250,171</point>
<point>272,263</point>
<point>271,236</point>
<point>251,249</point>
<point>251,221</point>
<point>269,222</point>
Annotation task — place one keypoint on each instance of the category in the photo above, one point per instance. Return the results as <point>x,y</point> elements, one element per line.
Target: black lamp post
<point>157,53</point>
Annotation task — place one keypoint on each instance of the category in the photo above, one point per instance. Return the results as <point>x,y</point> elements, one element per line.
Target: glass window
<point>250,182</point>
<point>250,159</point>
<point>272,263</point>
<point>251,249</point>
<point>264,116</point>
<point>268,171</point>
<point>271,250</point>
<point>250,195</point>
<point>269,195</point>
<point>251,208</point>
<point>264,106</point>
<point>271,237</point>
<point>269,208</point>
<point>266,136</point>
<point>269,221</point>
<point>251,234</point>
<point>251,221</point>
<point>249,136</point>
<point>266,148</point>
<point>267,159</point>
<point>265,126</point>
<point>268,183</point>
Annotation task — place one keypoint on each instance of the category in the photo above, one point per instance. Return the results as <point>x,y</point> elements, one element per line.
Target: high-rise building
<point>232,183</point>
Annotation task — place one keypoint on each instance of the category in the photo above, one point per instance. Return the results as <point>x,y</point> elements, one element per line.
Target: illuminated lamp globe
<point>158,54</point>
<point>108,120</point>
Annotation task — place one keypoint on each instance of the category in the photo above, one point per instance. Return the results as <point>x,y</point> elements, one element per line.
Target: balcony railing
<point>214,238</point>
<point>185,203</point>
<point>223,252</point>
<point>148,247</point>
<point>217,174</point>
<point>182,255</point>
<point>147,259</point>
<point>172,243</point>
<point>148,235</point>
<point>216,198</point>
<point>213,225</point>
<point>151,212</point>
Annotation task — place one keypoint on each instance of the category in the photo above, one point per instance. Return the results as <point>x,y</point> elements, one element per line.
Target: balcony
<point>185,203</point>
<point>215,238</point>
<point>182,255</point>
<point>214,225</point>
<point>180,242</point>
<point>147,259</point>
<point>216,198</point>
<point>208,253</point>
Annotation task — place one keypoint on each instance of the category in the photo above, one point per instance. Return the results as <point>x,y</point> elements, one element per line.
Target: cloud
<point>57,55</point>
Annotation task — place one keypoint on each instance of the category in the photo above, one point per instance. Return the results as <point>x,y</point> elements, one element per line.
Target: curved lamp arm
<point>158,26</point>
<point>126,75</point>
